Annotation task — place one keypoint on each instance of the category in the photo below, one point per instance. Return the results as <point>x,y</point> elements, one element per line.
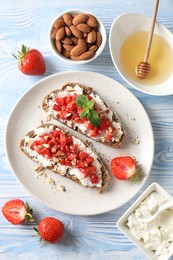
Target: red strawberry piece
<point>30,61</point>
<point>50,229</point>
<point>94,179</point>
<point>123,167</point>
<point>15,211</point>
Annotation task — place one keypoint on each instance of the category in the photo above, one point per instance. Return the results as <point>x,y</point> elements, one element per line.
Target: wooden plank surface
<point>93,237</point>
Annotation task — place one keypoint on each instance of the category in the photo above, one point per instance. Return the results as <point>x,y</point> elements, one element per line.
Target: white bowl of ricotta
<point>154,239</point>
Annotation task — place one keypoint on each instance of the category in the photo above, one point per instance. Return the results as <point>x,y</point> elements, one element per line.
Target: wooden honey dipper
<point>143,69</point>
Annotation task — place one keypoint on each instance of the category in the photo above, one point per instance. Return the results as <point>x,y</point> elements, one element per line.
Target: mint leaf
<point>94,118</point>
<point>84,113</point>
<point>82,101</point>
<point>88,109</point>
<point>91,103</point>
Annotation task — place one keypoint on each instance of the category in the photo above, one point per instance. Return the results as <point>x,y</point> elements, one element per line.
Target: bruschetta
<point>54,148</point>
<point>80,108</point>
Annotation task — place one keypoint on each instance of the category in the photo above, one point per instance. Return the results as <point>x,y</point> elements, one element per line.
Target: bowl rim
<point>120,223</point>
<point>97,53</point>
<point>162,27</point>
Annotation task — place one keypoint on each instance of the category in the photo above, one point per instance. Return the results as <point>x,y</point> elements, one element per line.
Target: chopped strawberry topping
<point>60,146</point>
<point>68,110</point>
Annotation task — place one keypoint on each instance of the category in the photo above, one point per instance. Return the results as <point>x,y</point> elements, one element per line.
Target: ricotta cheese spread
<point>63,168</point>
<point>157,235</point>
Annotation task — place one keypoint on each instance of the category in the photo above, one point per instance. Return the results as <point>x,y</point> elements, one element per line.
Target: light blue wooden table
<point>93,237</point>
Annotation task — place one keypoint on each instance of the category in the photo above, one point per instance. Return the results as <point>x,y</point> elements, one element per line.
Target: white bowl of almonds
<point>77,36</point>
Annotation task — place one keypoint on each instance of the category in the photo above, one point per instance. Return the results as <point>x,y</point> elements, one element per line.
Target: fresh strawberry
<point>30,62</point>
<point>15,211</point>
<point>50,230</point>
<point>124,168</point>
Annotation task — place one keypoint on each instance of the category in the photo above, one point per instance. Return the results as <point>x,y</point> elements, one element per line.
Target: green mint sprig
<point>88,110</point>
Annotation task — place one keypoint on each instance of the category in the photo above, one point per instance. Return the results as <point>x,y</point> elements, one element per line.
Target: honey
<point>161,57</point>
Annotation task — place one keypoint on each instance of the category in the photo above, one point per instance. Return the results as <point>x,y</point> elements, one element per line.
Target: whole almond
<point>54,31</point>
<point>86,55</point>
<point>68,47</point>
<point>91,38</point>
<point>75,40</point>
<point>75,31</point>
<point>74,57</point>
<point>60,34</point>
<point>80,18</point>
<point>58,46</point>
<point>68,19</point>
<point>67,40</point>
<point>98,39</point>
<point>67,31</point>
<point>93,48</point>
<point>81,42</point>
<point>78,50</point>
<point>59,23</point>
<point>83,27</point>
<point>92,21</point>
<point>66,53</point>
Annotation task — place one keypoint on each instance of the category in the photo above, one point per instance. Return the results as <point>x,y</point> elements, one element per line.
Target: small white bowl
<point>101,29</point>
<point>121,28</point>
<point>122,222</point>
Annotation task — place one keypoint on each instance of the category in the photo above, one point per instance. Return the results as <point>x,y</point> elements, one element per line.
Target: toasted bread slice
<point>60,105</point>
<point>54,148</point>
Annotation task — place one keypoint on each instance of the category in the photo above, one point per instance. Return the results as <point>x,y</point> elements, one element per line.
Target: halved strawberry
<point>124,167</point>
<point>15,211</point>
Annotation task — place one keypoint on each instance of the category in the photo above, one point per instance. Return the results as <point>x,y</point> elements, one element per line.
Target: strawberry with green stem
<point>50,230</point>
<point>124,168</point>
<point>30,61</point>
<point>16,212</point>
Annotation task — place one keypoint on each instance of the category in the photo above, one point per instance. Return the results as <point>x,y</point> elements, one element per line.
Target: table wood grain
<point>96,237</point>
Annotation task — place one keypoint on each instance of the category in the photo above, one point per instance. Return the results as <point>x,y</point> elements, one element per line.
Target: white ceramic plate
<point>78,200</point>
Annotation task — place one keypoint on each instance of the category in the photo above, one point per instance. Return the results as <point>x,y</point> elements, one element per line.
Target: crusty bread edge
<point>105,174</point>
<point>87,90</point>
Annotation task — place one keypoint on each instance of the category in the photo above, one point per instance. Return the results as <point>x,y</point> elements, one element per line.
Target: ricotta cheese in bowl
<point>154,238</point>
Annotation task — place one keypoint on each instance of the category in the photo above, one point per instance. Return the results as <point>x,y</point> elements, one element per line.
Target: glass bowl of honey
<point>127,42</point>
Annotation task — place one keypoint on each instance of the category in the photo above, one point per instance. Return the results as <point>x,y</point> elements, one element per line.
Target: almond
<point>68,47</point>
<point>86,55</point>
<point>98,39</point>
<point>78,50</point>
<point>60,34</point>
<point>75,31</point>
<point>68,19</point>
<point>80,18</point>
<point>74,57</point>
<point>81,42</point>
<point>85,35</point>
<point>92,21</point>
<point>54,31</point>
<point>83,27</point>
<point>67,40</point>
<point>93,48</point>
<point>74,39</point>
<point>59,23</point>
<point>67,31</point>
<point>66,53</point>
<point>91,38</point>
<point>58,46</point>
